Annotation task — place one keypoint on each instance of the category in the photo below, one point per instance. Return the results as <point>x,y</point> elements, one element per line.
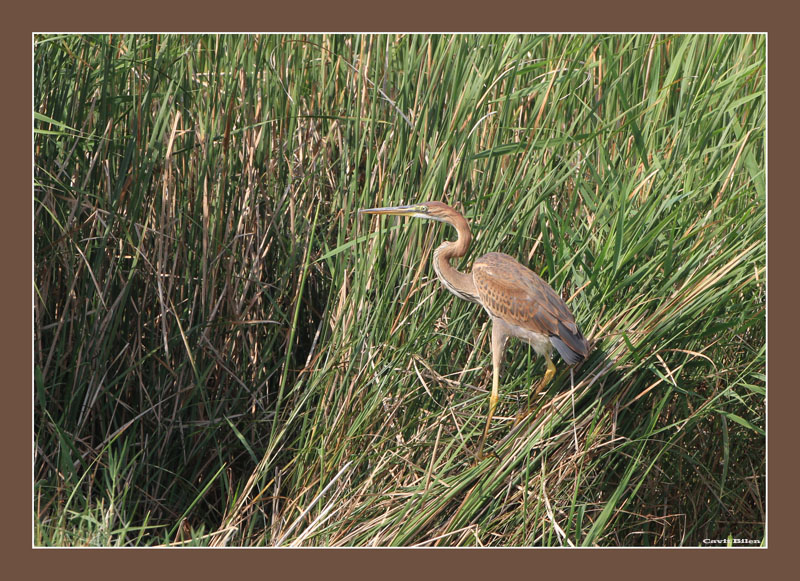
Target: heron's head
<point>429,210</point>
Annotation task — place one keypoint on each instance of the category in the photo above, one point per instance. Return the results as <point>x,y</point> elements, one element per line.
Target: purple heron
<point>518,301</point>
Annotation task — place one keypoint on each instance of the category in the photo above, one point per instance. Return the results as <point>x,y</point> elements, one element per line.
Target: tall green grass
<point>225,354</point>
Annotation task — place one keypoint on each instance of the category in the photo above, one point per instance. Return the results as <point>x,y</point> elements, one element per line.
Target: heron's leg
<point>498,345</point>
<point>548,375</point>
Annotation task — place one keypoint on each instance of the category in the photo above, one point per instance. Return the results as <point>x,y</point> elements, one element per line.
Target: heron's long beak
<point>396,210</point>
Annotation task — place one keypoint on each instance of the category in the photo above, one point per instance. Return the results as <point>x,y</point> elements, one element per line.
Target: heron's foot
<point>481,456</point>
<point>525,412</point>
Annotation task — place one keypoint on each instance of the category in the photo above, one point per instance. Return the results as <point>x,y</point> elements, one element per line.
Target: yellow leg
<point>498,344</point>
<point>548,375</point>
<point>492,405</point>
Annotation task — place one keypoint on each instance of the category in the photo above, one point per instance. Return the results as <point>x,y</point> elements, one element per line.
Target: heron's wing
<point>517,295</point>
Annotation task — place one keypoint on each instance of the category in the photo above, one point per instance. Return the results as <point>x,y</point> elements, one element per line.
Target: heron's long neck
<point>458,283</point>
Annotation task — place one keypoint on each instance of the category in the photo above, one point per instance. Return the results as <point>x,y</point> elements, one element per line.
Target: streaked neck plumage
<point>458,283</point>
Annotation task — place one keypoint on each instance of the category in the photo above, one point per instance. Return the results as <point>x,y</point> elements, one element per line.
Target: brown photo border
<point>420,17</point>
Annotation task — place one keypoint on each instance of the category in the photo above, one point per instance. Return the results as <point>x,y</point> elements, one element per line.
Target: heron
<point>519,302</point>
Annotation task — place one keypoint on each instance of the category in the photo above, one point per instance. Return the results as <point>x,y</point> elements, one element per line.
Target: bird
<point>519,302</point>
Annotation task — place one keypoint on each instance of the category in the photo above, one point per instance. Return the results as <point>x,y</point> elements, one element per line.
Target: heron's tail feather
<point>572,347</point>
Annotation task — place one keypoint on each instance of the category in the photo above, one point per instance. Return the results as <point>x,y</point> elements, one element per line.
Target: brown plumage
<point>518,301</point>
<point>516,294</point>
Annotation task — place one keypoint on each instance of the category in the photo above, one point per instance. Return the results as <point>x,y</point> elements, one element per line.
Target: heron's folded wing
<point>514,293</point>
